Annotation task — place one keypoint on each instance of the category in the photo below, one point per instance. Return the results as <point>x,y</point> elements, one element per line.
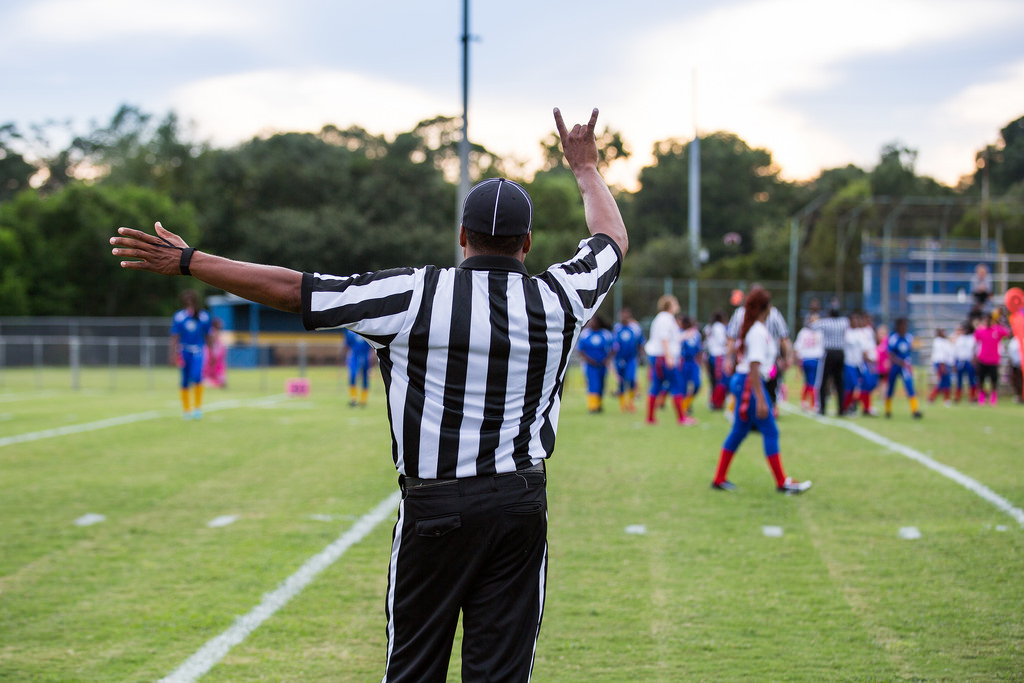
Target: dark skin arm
<point>272,286</point>
<point>281,288</point>
<point>579,146</point>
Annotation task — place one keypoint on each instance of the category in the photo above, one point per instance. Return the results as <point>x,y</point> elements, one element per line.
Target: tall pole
<point>694,205</point>
<point>464,140</point>
<point>984,202</point>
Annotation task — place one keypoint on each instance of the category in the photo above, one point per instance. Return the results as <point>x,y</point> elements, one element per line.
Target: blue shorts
<point>192,367</point>
<point>746,417</point>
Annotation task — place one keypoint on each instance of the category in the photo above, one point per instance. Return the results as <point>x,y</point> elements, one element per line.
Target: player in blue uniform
<point>358,368</point>
<point>690,352</point>
<point>190,329</point>
<point>901,345</point>
<point>595,346</point>
<point>629,340</point>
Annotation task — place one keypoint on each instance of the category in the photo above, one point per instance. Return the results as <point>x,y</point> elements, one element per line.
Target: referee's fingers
<point>560,125</point>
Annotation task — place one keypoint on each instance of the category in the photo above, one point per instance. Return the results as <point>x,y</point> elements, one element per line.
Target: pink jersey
<point>883,358</point>
<point>988,339</point>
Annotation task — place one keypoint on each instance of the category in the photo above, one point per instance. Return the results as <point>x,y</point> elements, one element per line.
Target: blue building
<point>259,335</point>
<point>922,279</point>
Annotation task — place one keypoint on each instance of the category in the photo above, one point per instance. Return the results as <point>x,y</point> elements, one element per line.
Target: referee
<point>473,360</point>
<point>833,330</point>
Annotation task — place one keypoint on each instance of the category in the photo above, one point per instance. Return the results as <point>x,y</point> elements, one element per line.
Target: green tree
<point>60,247</point>
<point>740,189</point>
<point>558,219</point>
<point>15,171</point>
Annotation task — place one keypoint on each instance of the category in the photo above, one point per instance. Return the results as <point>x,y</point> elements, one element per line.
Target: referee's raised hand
<point>579,144</point>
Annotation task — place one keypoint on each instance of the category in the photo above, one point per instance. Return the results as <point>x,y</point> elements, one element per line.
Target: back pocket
<point>435,527</point>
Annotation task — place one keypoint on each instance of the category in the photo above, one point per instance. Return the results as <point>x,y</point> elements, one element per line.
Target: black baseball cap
<point>498,207</point>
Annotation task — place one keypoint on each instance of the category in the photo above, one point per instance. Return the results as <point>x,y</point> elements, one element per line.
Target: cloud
<point>232,108</point>
<point>90,21</point>
<point>974,114</point>
<point>747,58</point>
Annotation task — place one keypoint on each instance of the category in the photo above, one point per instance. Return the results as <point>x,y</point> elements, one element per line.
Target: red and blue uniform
<point>690,349</point>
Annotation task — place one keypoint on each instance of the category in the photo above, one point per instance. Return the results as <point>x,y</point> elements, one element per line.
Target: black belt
<point>415,483</point>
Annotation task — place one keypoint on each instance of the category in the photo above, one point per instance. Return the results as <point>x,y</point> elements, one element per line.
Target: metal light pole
<point>464,140</point>
<point>694,205</point>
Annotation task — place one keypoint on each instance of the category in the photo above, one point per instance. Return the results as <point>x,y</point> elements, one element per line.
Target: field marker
<point>945,470</point>
<point>129,419</point>
<point>214,650</point>
<point>772,531</point>
<point>636,529</point>
<point>90,519</point>
<point>223,520</point>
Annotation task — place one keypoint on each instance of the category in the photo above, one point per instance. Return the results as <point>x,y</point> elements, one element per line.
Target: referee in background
<point>833,330</point>
<point>473,360</point>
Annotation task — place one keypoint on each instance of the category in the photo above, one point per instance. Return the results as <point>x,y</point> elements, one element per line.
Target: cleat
<point>197,414</point>
<point>918,415</point>
<point>888,415</point>
<point>724,486</point>
<point>793,488</point>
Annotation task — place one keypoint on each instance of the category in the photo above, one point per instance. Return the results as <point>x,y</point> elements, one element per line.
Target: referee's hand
<point>159,253</point>
<point>579,144</point>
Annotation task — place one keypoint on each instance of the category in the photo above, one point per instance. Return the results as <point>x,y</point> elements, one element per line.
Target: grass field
<point>702,594</point>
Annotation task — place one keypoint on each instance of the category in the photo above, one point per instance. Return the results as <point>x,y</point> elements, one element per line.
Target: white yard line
<point>130,419</point>
<point>214,650</point>
<point>945,470</point>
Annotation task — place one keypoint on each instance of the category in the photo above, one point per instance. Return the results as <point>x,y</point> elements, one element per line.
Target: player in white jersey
<point>964,350</point>
<point>810,349</point>
<point>943,361</point>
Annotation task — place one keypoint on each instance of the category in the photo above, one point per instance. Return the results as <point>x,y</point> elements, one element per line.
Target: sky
<point>818,83</point>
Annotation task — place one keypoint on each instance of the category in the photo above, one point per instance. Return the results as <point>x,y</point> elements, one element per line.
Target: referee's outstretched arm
<point>167,253</point>
<point>580,148</point>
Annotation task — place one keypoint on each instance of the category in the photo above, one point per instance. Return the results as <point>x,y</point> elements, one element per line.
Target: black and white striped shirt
<point>833,331</point>
<point>775,323</point>
<point>474,357</point>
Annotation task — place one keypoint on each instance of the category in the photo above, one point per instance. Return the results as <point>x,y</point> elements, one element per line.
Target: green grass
<point>702,595</point>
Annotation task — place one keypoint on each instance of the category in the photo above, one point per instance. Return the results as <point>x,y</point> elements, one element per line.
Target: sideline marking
<point>772,531</point>
<point>214,650</point>
<point>945,470</point>
<point>130,419</point>
<point>910,533</point>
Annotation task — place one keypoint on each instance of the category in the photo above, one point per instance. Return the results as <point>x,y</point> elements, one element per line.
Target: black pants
<point>479,546</point>
<point>831,370</point>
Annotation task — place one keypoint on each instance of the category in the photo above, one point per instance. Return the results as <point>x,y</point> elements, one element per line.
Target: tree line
<point>346,201</point>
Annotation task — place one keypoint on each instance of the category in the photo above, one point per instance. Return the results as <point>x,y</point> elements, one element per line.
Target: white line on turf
<point>945,470</point>
<point>129,419</point>
<point>772,531</point>
<point>214,650</point>
<point>222,520</point>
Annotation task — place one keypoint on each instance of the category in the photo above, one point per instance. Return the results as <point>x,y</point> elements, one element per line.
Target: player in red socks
<point>756,351</point>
